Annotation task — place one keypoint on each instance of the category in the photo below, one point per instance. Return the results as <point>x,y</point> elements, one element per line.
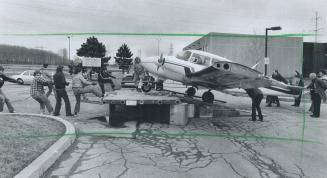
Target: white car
<point>25,77</point>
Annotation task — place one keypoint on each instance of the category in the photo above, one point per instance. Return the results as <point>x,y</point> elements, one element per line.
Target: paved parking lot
<point>287,144</point>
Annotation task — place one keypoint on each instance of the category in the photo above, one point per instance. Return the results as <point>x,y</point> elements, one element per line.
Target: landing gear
<point>159,85</point>
<point>208,97</point>
<point>190,91</point>
<point>148,83</point>
<point>146,87</point>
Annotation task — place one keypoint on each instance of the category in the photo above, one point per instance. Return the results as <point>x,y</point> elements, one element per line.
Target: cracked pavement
<point>206,147</point>
<point>161,150</point>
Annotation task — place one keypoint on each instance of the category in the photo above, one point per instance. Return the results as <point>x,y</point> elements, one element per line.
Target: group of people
<point>57,84</point>
<point>317,88</point>
<point>81,86</point>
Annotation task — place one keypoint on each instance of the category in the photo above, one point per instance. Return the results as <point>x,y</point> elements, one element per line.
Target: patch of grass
<point>19,142</point>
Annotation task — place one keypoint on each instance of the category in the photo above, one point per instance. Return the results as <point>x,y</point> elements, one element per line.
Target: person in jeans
<point>3,98</point>
<point>80,86</point>
<point>256,95</point>
<point>38,94</point>
<point>46,75</point>
<point>60,88</point>
<point>104,76</point>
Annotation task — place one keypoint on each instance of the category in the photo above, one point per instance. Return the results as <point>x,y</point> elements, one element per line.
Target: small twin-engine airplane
<point>201,69</point>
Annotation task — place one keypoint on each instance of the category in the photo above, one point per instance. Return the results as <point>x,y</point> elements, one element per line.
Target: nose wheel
<point>208,97</point>
<point>190,91</point>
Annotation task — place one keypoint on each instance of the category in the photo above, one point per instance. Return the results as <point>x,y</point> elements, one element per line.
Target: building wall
<point>314,57</point>
<point>285,53</point>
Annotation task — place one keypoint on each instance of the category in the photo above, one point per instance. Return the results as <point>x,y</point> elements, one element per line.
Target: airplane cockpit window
<point>184,55</point>
<point>199,59</point>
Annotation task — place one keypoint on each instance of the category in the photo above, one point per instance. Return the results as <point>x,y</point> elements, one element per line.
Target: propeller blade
<point>161,61</point>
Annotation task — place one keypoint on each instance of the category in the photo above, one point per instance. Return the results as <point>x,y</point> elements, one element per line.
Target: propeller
<point>161,61</point>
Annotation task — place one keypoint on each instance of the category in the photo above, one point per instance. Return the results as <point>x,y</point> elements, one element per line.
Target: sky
<point>33,17</point>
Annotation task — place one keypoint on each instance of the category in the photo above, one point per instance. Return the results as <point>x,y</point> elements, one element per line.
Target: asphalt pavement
<point>289,143</point>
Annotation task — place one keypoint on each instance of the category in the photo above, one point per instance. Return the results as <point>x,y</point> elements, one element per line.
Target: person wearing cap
<point>60,88</point>
<point>3,98</point>
<point>46,75</point>
<point>38,94</point>
<point>139,73</point>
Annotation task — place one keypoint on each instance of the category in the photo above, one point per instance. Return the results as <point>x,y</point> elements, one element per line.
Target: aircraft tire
<point>208,97</point>
<point>191,91</point>
<point>146,88</point>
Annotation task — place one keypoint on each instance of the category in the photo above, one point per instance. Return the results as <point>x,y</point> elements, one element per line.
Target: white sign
<point>91,62</point>
<point>266,60</point>
<point>131,103</point>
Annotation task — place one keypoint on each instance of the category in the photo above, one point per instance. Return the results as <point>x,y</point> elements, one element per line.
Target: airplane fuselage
<point>175,68</point>
<point>201,69</point>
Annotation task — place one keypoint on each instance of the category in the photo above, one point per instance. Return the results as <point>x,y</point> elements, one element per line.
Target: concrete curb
<point>48,157</point>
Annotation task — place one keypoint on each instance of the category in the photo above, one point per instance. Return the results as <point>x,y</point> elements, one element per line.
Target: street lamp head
<point>275,28</point>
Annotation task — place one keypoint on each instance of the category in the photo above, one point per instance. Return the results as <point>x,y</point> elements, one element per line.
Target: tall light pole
<point>158,45</point>
<point>266,46</point>
<point>69,47</point>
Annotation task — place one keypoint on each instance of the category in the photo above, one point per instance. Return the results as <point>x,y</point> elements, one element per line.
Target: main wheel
<point>208,97</point>
<point>146,87</point>
<point>191,91</point>
<point>20,81</point>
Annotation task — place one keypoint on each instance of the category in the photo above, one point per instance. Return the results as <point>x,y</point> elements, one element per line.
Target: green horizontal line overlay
<point>152,34</point>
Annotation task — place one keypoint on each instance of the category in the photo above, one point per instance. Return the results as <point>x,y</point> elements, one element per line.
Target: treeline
<point>22,55</point>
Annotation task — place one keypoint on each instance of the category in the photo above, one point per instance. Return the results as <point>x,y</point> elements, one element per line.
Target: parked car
<point>25,77</point>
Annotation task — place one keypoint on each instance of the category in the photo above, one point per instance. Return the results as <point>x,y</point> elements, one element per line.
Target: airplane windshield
<point>184,55</point>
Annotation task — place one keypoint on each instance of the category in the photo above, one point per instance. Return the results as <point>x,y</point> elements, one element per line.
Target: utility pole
<point>158,46</point>
<point>315,47</point>
<point>171,49</point>
<point>317,18</point>
<point>139,53</point>
<point>68,47</point>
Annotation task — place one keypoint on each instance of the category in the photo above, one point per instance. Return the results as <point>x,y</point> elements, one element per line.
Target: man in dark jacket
<point>105,77</point>
<point>60,87</point>
<point>318,88</point>
<point>298,80</point>
<point>3,97</point>
<point>256,95</point>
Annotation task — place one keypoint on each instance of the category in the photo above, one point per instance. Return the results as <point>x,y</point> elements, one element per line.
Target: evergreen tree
<point>124,58</point>
<point>92,48</point>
